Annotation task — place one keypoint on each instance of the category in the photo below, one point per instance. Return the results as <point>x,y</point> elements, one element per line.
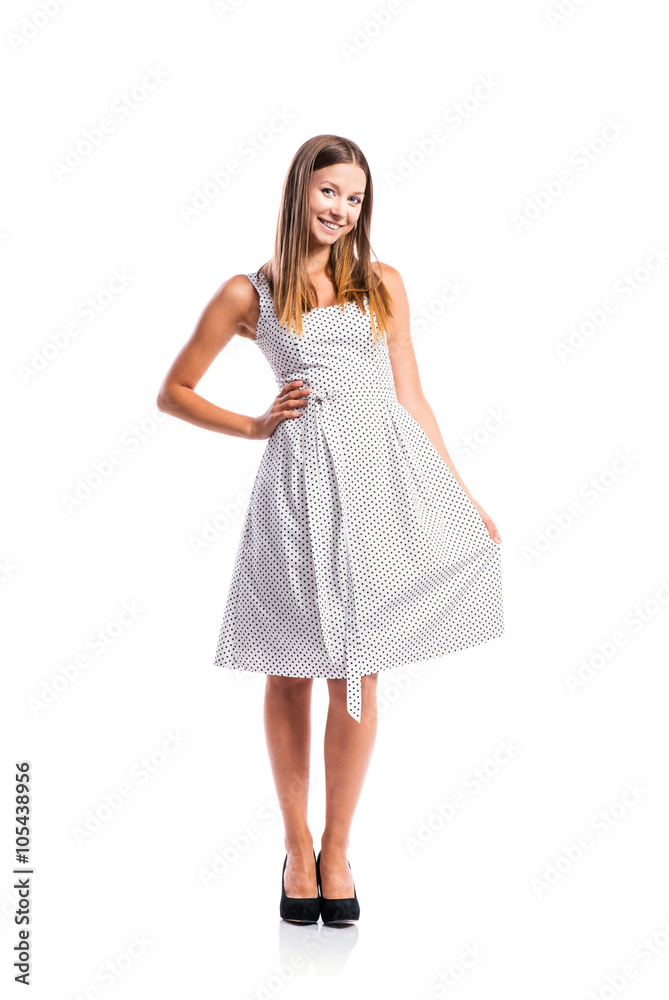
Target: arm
<point>225,315</point>
<point>407,380</point>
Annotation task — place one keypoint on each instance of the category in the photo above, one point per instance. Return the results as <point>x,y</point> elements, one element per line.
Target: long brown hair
<point>349,267</point>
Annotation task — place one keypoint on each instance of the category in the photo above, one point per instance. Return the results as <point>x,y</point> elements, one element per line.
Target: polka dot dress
<point>360,551</point>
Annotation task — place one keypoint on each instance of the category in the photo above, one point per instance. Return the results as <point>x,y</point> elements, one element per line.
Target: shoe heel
<point>337,911</point>
<point>299,909</point>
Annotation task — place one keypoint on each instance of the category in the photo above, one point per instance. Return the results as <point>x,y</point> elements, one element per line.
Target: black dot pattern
<point>360,551</point>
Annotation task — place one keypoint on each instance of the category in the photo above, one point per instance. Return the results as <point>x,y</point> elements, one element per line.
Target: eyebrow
<point>332,184</point>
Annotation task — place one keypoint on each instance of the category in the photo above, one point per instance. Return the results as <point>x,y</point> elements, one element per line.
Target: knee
<point>289,687</point>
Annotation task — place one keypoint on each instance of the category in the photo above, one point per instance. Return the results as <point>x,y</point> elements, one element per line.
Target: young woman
<point>362,547</point>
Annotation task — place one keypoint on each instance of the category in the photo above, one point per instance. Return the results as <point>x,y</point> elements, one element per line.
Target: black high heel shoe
<point>301,909</point>
<point>337,911</point>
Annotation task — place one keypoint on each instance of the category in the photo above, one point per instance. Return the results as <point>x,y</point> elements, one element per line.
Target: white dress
<point>360,551</point>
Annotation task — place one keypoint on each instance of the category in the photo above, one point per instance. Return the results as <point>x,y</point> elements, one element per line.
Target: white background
<point>460,214</point>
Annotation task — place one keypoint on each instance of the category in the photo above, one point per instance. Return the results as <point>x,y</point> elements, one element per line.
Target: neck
<point>318,260</point>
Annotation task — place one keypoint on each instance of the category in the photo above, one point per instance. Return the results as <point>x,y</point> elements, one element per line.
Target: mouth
<point>333,227</point>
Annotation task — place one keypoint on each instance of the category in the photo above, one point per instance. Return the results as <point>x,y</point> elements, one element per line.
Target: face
<point>335,196</point>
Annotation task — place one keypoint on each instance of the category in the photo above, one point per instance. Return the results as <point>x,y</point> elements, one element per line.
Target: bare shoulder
<point>399,333</point>
<point>237,300</point>
<point>236,291</point>
<point>392,279</point>
<point>384,270</point>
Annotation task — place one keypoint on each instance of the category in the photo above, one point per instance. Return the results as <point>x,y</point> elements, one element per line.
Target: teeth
<point>330,225</point>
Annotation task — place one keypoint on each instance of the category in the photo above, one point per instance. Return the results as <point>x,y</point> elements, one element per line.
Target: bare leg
<point>287,717</point>
<point>348,752</point>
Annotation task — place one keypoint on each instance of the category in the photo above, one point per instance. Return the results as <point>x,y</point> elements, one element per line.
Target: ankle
<point>334,845</point>
<point>298,844</point>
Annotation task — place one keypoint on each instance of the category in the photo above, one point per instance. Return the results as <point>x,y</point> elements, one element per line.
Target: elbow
<point>170,396</point>
<point>164,401</point>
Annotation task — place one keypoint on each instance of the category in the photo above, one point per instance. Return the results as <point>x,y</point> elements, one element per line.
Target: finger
<point>291,402</point>
<point>286,392</point>
<point>291,405</point>
<point>493,531</point>
<point>300,396</point>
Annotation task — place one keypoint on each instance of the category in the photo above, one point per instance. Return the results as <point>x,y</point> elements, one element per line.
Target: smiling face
<point>335,198</point>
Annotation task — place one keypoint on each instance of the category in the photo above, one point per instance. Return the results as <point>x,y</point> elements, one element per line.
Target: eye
<point>352,196</point>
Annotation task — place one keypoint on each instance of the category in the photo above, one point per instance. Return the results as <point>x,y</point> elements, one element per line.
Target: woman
<point>362,548</point>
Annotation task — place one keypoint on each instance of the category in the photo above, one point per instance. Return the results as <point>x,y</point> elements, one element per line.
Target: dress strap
<point>256,279</point>
<point>259,282</point>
